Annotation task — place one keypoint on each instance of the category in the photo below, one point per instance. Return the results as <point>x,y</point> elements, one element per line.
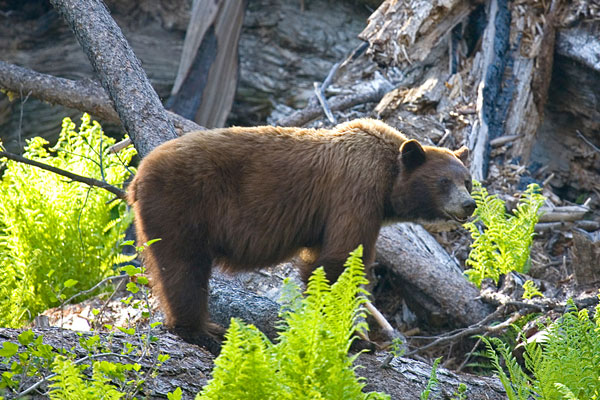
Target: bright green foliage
<point>70,384</point>
<point>310,359</point>
<point>461,392</point>
<point>530,290</point>
<point>33,361</point>
<point>516,383</point>
<point>175,394</point>
<point>244,369</point>
<point>433,381</point>
<point>565,366</point>
<point>59,237</point>
<point>505,242</point>
<point>36,359</point>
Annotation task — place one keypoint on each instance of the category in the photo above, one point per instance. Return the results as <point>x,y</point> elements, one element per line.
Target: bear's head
<point>433,184</point>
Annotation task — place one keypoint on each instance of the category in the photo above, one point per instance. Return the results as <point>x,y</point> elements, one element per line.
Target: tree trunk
<point>120,73</point>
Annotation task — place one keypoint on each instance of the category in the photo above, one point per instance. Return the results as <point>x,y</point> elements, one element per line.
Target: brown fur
<point>246,198</point>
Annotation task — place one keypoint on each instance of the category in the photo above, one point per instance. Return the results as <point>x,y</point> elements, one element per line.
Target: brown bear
<point>246,198</point>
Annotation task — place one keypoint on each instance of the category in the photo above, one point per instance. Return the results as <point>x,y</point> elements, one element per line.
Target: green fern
<point>570,356</point>
<point>566,365</point>
<point>243,370</point>
<point>433,381</point>
<point>52,229</point>
<point>310,358</point>
<point>505,242</point>
<point>516,383</point>
<point>530,290</point>
<point>69,383</point>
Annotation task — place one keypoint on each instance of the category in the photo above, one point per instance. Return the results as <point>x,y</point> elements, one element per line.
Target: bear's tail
<point>131,192</point>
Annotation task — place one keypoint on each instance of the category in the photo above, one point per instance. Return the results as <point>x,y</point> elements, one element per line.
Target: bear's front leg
<point>341,238</point>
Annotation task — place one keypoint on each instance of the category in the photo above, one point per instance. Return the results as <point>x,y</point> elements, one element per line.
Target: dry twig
<point>78,178</point>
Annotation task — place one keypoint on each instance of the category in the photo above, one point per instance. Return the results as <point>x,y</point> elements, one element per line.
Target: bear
<point>247,198</point>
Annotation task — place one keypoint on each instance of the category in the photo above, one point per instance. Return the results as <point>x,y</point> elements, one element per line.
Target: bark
<point>189,367</point>
<point>419,27</point>
<point>406,379</point>
<point>586,251</point>
<point>229,299</point>
<point>120,72</point>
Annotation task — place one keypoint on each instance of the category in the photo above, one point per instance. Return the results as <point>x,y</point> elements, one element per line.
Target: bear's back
<point>255,193</point>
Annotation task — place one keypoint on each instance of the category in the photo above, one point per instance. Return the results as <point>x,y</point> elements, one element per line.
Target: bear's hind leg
<point>180,280</point>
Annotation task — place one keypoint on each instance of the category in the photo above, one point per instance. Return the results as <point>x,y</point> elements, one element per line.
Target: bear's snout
<point>469,207</point>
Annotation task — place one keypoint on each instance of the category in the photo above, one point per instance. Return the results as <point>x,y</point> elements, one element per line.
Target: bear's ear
<point>412,154</point>
<point>463,155</point>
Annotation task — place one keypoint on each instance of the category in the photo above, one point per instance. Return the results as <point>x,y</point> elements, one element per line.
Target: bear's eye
<point>468,184</point>
<point>444,181</point>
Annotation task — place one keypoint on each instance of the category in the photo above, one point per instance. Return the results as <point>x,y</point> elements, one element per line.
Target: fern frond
<point>53,230</point>
<point>503,243</point>
<point>310,358</point>
<point>433,382</point>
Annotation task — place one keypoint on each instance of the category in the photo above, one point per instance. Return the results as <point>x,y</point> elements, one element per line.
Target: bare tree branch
<point>78,178</point>
<point>84,95</point>
<point>336,103</point>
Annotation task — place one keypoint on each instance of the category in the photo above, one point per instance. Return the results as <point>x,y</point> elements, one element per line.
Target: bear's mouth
<point>457,218</point>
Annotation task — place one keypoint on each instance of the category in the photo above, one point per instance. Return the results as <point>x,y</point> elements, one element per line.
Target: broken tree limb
<point>433,280</point>
<point>120,72</point>
<point>314,110</point>
<point>419,26</point>
<point>563,214</point>
<point>84,95</point>
<point>207,78</point>
<point>78,178</point>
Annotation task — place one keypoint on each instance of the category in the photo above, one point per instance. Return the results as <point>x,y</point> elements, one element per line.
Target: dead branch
<point>537,304</point>
<point>84,95</point>
<point>336,103</point>
<point>78,178</point>
<point>563,214</point>
<point>481,327</point>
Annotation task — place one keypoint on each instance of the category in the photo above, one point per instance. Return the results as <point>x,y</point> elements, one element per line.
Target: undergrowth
<point>565,364</point>
<point>503,243</point>
<point>59,237</point>
<point>309,360</point>
<point>94,368</point>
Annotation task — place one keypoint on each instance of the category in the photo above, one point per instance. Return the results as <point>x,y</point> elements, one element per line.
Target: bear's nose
<point>469,206</point>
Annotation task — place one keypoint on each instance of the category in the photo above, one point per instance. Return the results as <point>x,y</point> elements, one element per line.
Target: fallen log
<point>434,283</point>
<point>189,368</point>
